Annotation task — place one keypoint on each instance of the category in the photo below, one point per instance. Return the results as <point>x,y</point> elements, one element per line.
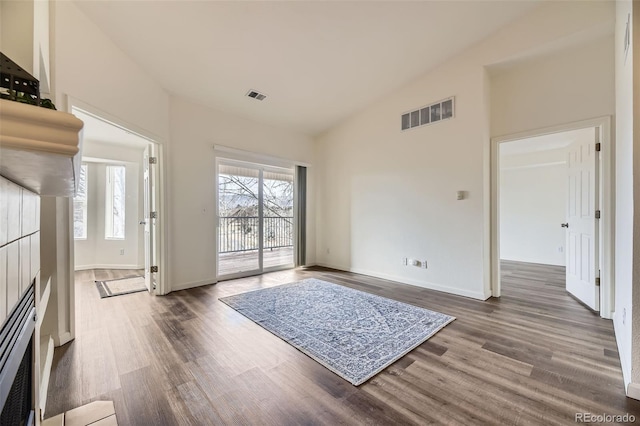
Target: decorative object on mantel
<point>19,85</point>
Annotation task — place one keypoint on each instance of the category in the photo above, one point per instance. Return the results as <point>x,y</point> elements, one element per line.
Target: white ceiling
<point>318,62</point>
<point>97,130</point>
<point>544,143</point>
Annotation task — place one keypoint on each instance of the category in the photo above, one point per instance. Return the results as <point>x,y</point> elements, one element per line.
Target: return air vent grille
<point>256,95</point>
<point>442,110</point>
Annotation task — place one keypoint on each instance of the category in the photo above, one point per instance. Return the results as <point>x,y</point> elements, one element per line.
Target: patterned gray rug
<point>352,333</point>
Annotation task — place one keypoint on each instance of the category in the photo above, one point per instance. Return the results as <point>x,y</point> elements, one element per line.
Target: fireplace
<point>16,363</point>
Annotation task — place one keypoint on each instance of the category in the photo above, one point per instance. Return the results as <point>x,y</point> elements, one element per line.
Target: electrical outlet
<point>121,252</point>
<point>328,251</point>
<point>560,249</point>
<point>424,264</point>
<point>405,261</point>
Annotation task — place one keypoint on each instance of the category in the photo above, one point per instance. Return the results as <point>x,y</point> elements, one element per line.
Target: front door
<point>581,226</point>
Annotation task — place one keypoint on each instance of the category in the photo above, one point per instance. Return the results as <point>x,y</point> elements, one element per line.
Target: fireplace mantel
<point>39,148</point>
<point>39,156</point>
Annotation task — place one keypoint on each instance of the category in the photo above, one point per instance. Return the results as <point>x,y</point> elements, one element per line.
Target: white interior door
<point>581,226</point>
<point>148,221</point>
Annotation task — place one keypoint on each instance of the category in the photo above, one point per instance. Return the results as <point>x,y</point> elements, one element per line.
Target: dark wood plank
<point>534,356</point>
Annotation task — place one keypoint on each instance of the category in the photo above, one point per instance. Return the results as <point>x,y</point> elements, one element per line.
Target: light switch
<point>460,195</point>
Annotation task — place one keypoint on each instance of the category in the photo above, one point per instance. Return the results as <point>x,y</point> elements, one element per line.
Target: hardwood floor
<point>534,356</point>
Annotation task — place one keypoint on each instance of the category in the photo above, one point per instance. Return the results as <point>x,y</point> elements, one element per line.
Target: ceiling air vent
<point>256,95</point>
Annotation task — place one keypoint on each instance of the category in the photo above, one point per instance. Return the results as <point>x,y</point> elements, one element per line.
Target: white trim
<point>46,375</point>
<point>478,295</point>
<point>118,122</point>
<point>108,266</point>
<point>625,362</point>
<point>192,284</point>
<point>606,205</point>
<point>633,390</point>
<point>253,157</point>
<point>533,166</point>
<point>63,339</point>
<point>162,225</point>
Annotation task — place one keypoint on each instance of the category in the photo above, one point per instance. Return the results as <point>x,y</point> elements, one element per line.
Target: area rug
<point>352,333</point>
<point>120,286</point>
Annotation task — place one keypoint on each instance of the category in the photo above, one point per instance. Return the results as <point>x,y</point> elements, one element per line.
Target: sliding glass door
<point>255,218</point>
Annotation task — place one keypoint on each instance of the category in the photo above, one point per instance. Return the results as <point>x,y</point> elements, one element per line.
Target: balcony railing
<point>238,234</point>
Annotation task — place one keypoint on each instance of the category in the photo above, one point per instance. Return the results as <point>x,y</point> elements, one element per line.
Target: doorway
<point>256,218</point>
<point>115,211</point>
<point>551,207</point>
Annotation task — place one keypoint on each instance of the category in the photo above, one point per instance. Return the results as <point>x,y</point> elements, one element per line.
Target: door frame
<point>261,167</point>
<point>606,201</point>
<point>160,242</point>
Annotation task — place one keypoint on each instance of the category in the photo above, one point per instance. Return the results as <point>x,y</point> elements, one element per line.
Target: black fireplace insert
<point>16,363</point>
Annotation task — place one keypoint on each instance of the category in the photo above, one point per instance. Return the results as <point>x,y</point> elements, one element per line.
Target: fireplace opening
<point>18,407</point>
<point>16,363</point>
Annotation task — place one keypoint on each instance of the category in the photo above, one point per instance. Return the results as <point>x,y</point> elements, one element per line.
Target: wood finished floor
<point>534,356</point>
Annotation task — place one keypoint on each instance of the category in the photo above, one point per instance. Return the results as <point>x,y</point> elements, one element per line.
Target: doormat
<point>110,288</point>
<point>352,333</point>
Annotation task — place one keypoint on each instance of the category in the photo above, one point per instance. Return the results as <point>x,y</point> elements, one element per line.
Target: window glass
<point>80,206</point>
<point>115,203</point>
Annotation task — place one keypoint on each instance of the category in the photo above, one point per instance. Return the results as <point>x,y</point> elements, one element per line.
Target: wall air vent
<point>442,110</point>
<point>256,95</point>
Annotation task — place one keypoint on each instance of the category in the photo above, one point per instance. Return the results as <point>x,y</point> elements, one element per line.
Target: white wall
<point>533,199</point>
<point>634,386</point>
<point>626,318</point>
<point>386,194</point>
<point>194,132</point>
<point>554,89</point>
<point>96,252</point>
<point>17,32</point>
<point>89,67</point>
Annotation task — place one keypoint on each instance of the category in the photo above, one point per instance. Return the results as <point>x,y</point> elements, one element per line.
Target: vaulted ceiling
<point>317,62</point>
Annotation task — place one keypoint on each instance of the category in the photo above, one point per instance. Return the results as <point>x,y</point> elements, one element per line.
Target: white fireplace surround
<point>39,157</point>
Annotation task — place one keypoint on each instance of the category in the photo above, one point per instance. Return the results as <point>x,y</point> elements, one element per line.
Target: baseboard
<point>417,283</point>
<point>107,266</point>
<point>533,261</point>
<point>63,339</point>
<point>184,286</point>
<point>625,363</point>
<point>633,391</point>
<point>332,266</point>
<point>46,374</point>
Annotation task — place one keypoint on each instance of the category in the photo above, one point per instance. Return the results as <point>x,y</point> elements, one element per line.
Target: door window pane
<point>238,220</point>
<point>278,219</point>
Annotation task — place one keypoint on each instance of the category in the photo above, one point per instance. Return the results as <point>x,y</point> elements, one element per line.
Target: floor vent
<point>441,110</point>
<point>256,95</point>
